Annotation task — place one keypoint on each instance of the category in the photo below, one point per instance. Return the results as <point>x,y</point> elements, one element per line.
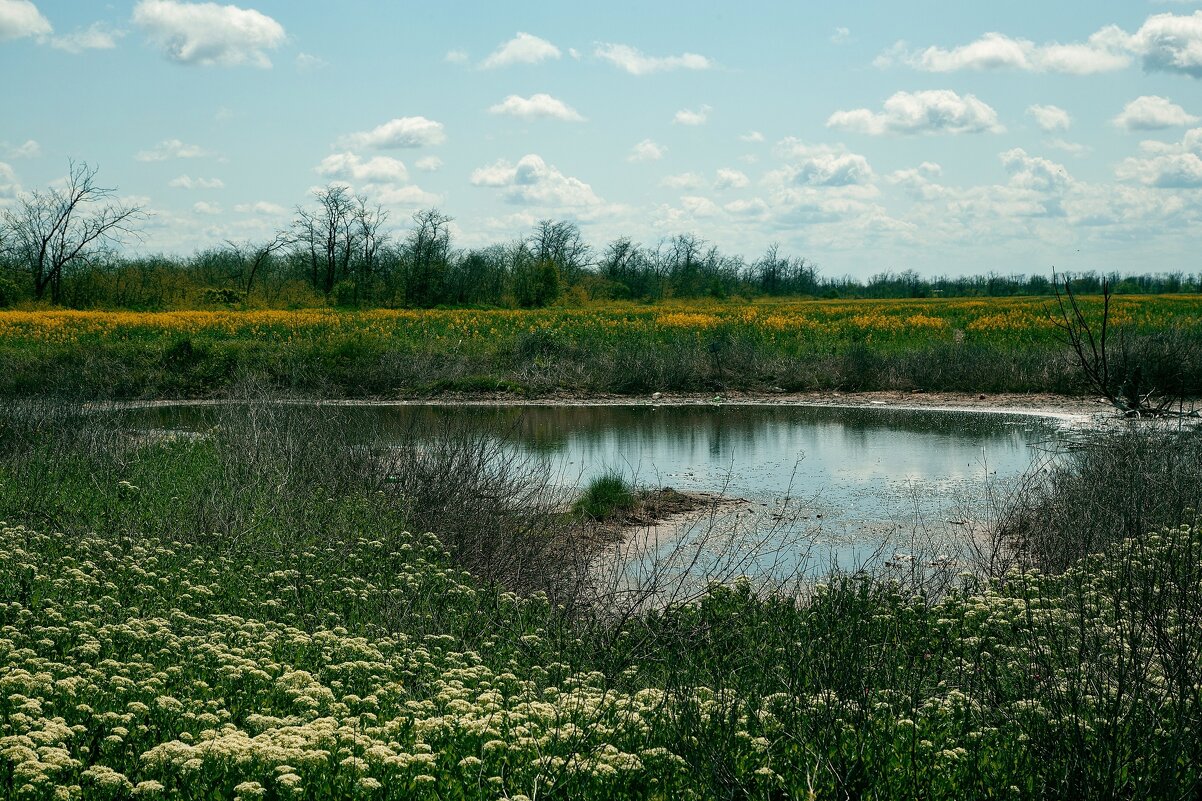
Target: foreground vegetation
<point>236,616</point>
<point>977,345</point>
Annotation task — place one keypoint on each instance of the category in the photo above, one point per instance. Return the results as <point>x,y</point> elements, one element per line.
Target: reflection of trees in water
<point>719,429</point>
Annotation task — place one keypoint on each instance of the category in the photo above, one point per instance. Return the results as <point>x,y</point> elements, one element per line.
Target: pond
<point>818,486</point>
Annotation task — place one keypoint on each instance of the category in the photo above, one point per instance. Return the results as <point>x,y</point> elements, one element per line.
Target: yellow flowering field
<point>819,320</point>
<point>973,345</point>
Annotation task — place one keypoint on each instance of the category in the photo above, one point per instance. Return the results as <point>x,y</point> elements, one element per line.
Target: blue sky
<point>945,138</point>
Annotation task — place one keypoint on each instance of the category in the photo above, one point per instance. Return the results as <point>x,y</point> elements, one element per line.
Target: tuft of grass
<point>606,497</point>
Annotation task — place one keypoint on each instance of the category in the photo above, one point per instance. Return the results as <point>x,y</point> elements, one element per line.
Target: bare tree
<point>1123,384</point>
<point>50,231</point>
<point>329,235</point>
<point>428,251</point>
<point>254,255</point>
<point>368,223</point>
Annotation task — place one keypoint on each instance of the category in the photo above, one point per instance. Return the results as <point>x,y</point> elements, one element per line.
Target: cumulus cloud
<point>541,105</point>
<point>209,34</point>
<point>1163,43</point>
<point>1034,172</point>
<point>410,196</point>
<point>350,167</point>
<point>209,209</point>
<point>752,136</point>
<point>1153,113</point>
<point>831,169</point>
<point>263,207</point>
<point>428,164</point>
<point>534,182</point>
<point>684,180</point>
<point>171,149</point>
<point>1170,43</point>
<point>647,150</point>
<point>97,36</point>
<point>700,206</point>
<point>630,60</point>
<point>731,179</point>
<point>521,49</point>
<point>1072,148</point>
<point>692,117</point>
<point>931,111</point>
<point>1050,118</point>
<point>1103,52</point>
<point>9,186</point>
<point>21,18</point>
<point>456,56</point>
<point>841,35</point>
<point>1175,165</point>
<point>398,133</point>
<point>188,182</point>
<point>27,150</point>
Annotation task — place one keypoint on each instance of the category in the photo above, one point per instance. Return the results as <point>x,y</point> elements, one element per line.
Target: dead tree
<point>1122,384</point>
<point>53,230</point>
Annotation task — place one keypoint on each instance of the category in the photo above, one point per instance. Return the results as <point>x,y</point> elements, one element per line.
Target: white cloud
<point>1164,43</point>
<point>171,149</point>
<point>841,35</point>
<point>260,207</point>
<point>9,186</point>
<point>209,209</point>
<point>534,182</point>
<point>1034,172</point>
<point>647,150</point>
<point>684,180</point>
<point>627,58</point>
<point>1105,51</point>
<point>1167,165</point>
<point>209,34</point>
<point>188,182</point>
<point>700,206</point>
<point>1170,43</point>
<point>410,196</point>
<point>536,106</point>
<point>456,56</point>
<point>930,111</point>
<point>521,49</point>
<point>1050,118</point>
<point>1153,113</point>
<point>306,62</point>
<point>730,179</point>
<point>747,208</point>
<point>834,169</point>
<point>21,18</point>
<point>690,117</point>
<point>428,164</point>
<point>1072,148</point>
<point>97,36</point>
<point>398,133</point>
<point>349,167</point>
<point>28,150</point>
<point>752,136</point>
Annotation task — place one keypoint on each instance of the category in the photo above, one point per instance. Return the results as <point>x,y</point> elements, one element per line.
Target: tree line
<point>63,246</point>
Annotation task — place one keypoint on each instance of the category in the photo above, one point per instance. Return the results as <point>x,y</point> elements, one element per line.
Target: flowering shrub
<point>146,666</point>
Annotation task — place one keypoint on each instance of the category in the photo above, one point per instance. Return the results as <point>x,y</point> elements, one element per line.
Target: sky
<point>946,138</point>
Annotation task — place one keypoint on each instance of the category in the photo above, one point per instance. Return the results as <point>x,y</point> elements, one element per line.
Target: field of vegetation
<point>973,345</point>
<point>245,615</point>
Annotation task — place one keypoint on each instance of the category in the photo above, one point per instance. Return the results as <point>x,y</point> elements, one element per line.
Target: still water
<point>853,483</point>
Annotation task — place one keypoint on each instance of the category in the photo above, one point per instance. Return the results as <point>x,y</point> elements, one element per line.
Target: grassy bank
<point>988,345</point>
<point>238,616</point>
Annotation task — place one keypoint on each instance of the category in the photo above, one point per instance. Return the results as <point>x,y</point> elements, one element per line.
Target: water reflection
<point>857,467</point>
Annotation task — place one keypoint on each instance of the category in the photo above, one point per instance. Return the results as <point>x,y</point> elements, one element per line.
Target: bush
<point>606,497</point>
